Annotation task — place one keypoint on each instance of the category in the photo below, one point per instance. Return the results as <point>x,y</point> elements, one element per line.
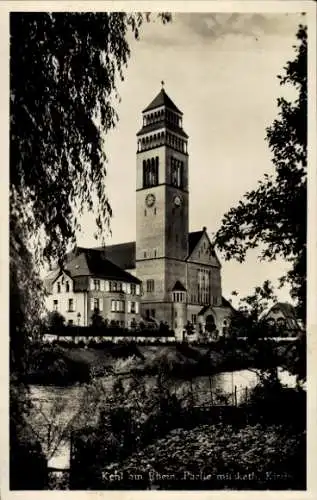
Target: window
<point>177,168</point>
<point>133,288</point>
<point>194,319</point>
<point>96,304</point>
<point>55,305</point>
<point>58,288</point>
<point>178,296</point>
<point>281,323</point>
<point>67,286</point>
<point>145,212</point>
<point>117,306</point>
<point>154,210</point>
<point>150,285</point>
<point>113,286</point>
<point>147,313</point>
<point>137,290</point>
<point>150,172</point>
<point>71,305</point>
<point>70,322</point>
<point>97,285</point>
<point>203,286</point>
<point>120,305</point>
<point>155,253</point>
<point>107,286</point>
<point>128,288</point>
<point>153,313</point>
<point>133,307</point>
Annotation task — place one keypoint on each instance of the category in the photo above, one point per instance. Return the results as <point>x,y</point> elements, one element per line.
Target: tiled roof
<point>178,287</point>
<point>99,265</point>
<point>162,99</point>
<point>85,262</point>
<point>193,239</point>
<point>288,311</point>
<point>122,254</point>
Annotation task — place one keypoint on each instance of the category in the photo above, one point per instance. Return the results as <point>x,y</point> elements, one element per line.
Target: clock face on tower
<point>177,201</point>
<point>150,200</point>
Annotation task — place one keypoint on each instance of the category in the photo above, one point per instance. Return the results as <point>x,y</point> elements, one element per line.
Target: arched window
<point>177,168</point>
<point>150,172</point>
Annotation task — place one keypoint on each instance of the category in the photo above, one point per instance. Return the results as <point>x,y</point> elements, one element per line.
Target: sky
<point>221,71</point>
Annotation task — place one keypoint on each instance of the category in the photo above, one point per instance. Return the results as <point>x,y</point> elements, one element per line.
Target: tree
<point>96,318</point>
<point>274,214</point>
<point>64,69</point>
<point>60,112</point>
<point>56,321</point>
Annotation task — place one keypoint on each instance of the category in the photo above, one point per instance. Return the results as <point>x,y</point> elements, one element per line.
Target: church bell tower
<point>161,205</point>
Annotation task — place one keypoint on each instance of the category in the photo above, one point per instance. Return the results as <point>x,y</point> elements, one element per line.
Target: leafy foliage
<point>26,299</point>
<point>97,319</point>
<point>274,214</point>
<point>216,457</point>
<point>64,71</point>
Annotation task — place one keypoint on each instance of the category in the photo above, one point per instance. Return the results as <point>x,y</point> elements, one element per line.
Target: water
<point>57,406</point>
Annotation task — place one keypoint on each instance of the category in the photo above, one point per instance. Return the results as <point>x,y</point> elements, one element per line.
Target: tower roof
<point>162,99</point>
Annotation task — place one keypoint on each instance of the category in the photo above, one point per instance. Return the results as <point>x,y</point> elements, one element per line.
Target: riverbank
<point>65,365</point>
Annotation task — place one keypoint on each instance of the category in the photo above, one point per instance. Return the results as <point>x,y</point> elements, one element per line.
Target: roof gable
<point>201,250</point>
<point>178,287</point>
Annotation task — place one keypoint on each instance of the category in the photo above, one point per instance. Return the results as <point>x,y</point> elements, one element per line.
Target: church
<point>177,272</point>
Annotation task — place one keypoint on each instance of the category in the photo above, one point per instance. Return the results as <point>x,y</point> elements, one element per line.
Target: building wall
<point>150,223</point>
<point>62,299</point>
<point>84,305</point>
<point>106,299</point>
<point>163,311</point>
<point>176,227</point>
<point>152,269</point>
<point>175,270</point>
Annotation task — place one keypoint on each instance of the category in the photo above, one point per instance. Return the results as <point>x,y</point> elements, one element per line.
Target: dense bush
<point>215,457</point>
<point>48,365</point>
